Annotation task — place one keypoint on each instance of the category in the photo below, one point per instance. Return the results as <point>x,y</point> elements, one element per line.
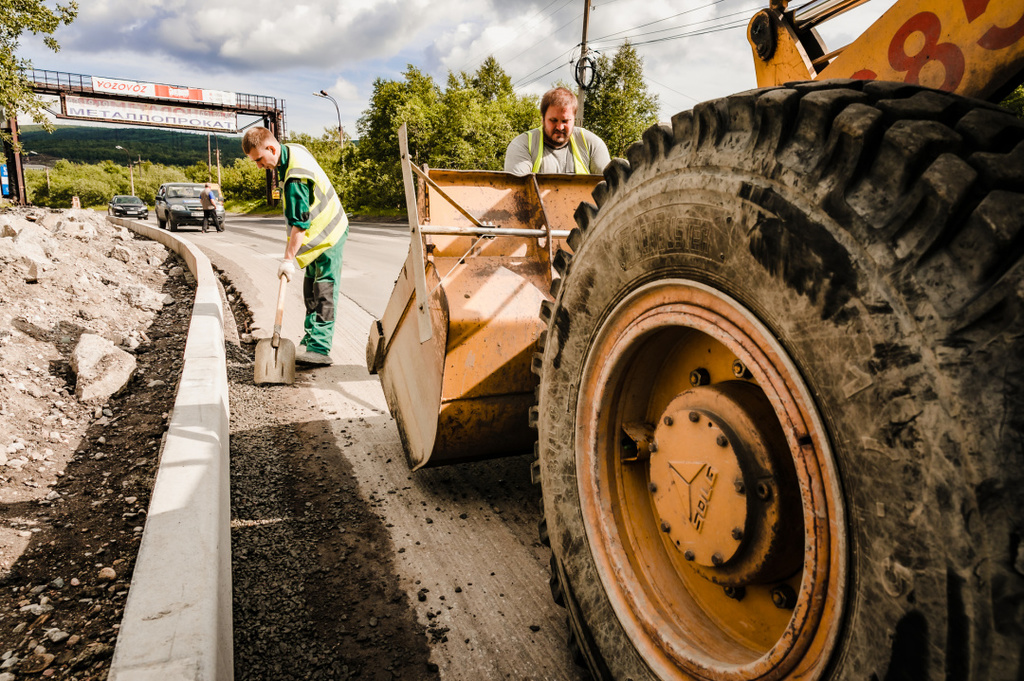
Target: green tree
<point>16,94</point>
<point>620,108</point>
<point>491,81</point>
<point>412,101</point>
<point>243,181</point>
<point>465,126</point>
<point>1015,102</point>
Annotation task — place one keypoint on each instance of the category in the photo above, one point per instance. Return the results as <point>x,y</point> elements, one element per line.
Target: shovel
<point>275,357</point>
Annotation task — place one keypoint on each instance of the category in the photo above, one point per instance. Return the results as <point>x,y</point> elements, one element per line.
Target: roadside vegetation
<point>466,124</point>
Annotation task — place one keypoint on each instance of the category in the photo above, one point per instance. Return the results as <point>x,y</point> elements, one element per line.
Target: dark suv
<point>128,207</point>
<point>177,203</point>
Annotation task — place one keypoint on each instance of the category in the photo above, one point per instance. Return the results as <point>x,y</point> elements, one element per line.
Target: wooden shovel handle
<point>280,309</point>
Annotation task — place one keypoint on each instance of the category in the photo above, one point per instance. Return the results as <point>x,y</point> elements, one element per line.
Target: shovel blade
<point>275,365</point>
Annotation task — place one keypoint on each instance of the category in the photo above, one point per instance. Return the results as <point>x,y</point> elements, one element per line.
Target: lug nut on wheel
<point>784,597</point>
<point>735,592</point>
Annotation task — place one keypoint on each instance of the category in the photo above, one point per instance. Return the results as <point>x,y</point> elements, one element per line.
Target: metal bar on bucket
<point>418,269</point>
<point>492,231</point>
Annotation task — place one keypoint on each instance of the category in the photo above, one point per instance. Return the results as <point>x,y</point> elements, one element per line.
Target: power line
<point>578,16</point>
<point>533,80</point>
<point>522,81</point>
<point>746,13</point>
<point>672,89</point>
<point>515,33</point>
<point>658,21</point>
<point>717,29</point>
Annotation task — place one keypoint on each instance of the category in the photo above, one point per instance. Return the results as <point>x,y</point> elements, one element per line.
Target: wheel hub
<point>720,485</point>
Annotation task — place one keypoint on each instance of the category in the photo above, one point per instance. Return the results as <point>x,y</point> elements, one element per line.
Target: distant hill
<point>85,144</point>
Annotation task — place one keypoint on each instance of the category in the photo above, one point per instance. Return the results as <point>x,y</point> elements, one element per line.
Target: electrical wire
<point>745,13</point>
<point>479,57</point>
<point>658,21</point>
<point>521,81</point>
<point>578,16</point>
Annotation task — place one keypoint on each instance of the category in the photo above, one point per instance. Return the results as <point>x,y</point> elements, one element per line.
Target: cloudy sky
<point>693,50</point>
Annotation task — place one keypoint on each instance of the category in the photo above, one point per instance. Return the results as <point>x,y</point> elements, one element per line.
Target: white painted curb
<point>177,623</point>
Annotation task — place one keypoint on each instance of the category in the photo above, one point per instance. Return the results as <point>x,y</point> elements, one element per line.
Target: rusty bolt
<point>784,597</point>
<point>665,527</point>
<point>668,420</point>
<point>717,559</point>
<point>722,441</point>
<point>735,592</point>
<point>764,491</point>
<point>652,487</point>
<point>699,377</point>
<point>689,555</point>
<point>737,533</point>
<point>694,417</point>
<point>740,487</point>
<point>738,369</point>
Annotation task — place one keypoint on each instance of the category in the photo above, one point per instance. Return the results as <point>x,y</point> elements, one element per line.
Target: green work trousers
<point>320,292</point>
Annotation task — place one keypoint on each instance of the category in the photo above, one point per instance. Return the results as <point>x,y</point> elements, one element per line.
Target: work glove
<point>287,269</point>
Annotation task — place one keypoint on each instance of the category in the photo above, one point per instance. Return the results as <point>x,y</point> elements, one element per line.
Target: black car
<point>177,203</point>
<point>127,207</point>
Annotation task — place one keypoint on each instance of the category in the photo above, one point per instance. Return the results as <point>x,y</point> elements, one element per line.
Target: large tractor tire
<point>780,407</point>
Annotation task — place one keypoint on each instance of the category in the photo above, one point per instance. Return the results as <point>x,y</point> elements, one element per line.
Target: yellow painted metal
<point>769,606</point>
<point>465,394</point>
<point>971,47</point>
<point>789,61</point>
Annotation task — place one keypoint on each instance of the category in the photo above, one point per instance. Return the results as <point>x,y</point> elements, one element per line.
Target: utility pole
<point>131,168</point>
<point>218,166</point>
<point>209,160</point>
<point>580,65</point>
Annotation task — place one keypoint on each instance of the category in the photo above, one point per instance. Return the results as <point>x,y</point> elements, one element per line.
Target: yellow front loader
<point>770,362</point>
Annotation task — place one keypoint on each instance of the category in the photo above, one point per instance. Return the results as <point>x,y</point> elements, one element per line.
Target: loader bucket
<point>464,393</point>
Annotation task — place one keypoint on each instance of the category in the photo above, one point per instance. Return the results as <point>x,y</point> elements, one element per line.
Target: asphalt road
<point>472,524</point>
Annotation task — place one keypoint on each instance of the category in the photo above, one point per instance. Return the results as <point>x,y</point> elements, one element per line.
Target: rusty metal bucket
<point>456,370</point>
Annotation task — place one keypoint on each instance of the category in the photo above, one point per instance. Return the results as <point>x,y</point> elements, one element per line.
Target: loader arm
<point>973,48</point>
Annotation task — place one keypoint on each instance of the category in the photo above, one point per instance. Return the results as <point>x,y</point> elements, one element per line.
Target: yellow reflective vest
<point>327,220</point>
<point>577,142</point>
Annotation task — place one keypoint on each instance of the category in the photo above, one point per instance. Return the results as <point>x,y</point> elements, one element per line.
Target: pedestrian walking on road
<point>317,229</point>
<point>209,203</point>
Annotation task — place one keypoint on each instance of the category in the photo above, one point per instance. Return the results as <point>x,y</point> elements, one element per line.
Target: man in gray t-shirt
<point>209,203</point>
<point>557,146</point>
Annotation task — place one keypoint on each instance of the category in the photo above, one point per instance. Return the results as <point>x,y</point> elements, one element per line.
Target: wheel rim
<point>708,489</point>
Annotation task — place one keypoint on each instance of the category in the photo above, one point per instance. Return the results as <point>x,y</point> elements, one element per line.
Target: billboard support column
<point>15,172</point>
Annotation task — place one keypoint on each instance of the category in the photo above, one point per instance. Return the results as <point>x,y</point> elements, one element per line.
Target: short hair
<point>255,138</point>
<point>558,97</point>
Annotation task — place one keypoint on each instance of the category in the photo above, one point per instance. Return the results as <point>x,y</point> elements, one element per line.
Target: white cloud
<point>289,51</point>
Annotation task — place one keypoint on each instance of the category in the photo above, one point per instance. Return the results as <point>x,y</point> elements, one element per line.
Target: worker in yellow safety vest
<point>317,231</point>
<point>558,146</point>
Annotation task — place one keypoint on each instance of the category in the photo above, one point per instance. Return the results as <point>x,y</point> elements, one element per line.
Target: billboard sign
<point>5,185</point>
<point>133,88</point>
<point>165,115</point>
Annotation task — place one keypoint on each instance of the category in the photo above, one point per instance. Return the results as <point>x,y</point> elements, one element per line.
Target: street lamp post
<point>341,134</point>
<point>131,169</point>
